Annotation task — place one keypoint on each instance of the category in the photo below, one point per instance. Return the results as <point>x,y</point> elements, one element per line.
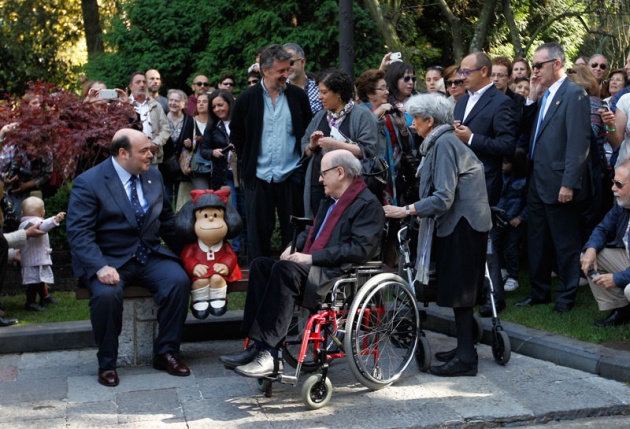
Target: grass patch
<point>577,323</point>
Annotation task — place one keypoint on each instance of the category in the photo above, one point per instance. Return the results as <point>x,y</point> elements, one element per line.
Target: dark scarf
<point>343,203</point>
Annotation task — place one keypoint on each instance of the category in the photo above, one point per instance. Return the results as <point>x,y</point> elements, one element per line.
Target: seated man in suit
<point>605,255</point>
<point>347,229</point>
<point>116,217</point>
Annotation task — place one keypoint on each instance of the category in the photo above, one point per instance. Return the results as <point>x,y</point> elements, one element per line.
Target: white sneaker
<point>510,285</point>
<point>504,274</point>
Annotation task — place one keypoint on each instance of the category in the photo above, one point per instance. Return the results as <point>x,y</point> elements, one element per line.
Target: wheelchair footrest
<point>288,379</point>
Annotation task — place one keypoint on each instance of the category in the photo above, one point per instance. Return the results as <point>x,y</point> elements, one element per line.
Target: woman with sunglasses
<point>401,81</point>
<point>341,124</point>
<point>454,83</point>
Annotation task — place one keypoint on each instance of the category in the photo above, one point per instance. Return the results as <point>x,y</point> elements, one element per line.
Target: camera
<point>107,94</point>
<point>605,105</point>
<point>395,57</point>
<point>592,273</point>
<point>24,174</point>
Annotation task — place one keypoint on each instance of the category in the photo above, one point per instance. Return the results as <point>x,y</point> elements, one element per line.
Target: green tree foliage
<point>182,38</point>
<point>33,35</point>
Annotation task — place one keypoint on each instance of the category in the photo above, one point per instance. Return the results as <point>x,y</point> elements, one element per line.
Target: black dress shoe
<point>263,365</point>
<point>617,317</point>
<point>48,300</point>
<point>242,358</point>
<point>446,356</point>
<point>8,321</point>
<point>562,308</point>
<point>529,301</point>
<point>108,377</point>
<point>172,364</point>
<point>455,368</point>
<point>486,309</point>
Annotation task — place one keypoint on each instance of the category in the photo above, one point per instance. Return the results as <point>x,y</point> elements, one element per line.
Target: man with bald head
<point>117,216</point>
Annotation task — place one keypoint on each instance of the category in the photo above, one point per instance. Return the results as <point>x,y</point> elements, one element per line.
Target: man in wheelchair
<point>347,229</point>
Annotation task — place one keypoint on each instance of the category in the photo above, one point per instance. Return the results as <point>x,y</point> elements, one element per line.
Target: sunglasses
<point>602,66</point>
<point>202,84</point>
<point>252,82</point>
<point>618,184</point>
<point>467,72</point>
<point>541,64</point>
<point>227,83</point>
<point>456,82</point>
<point>408,78</point>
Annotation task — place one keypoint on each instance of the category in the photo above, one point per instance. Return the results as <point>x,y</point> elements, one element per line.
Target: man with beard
<point>267,126</point>
<point>154,82</point>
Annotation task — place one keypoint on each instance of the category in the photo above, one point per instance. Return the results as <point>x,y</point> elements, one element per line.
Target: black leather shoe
<point>486,309</point>
<point>108,377</point>
<point>455,368</point>
<point>172,364</point>
<point>32,306</point>
<point>529,301</point>
<point>446,356</point>
<point>8,321</point>
<point>263,365</point>
<point>617,317</point>
<point>242,358</point>
<point>48,300</point>
<point>562,308</point>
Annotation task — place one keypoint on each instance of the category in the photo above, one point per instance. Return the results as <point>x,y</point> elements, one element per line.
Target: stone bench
<point>140,325</point>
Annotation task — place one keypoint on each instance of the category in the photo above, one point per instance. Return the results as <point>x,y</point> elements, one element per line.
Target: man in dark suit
<point>559,178</point>
<point>347,229</point>
<point>268,122</point>
<point>484,120</point>
<point>116,217</point>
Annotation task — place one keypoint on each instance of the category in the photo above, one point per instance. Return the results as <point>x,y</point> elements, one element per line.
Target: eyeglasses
<point>384,88</point>
<point>456,82</point>
<point>467,72</point>
<point>227,83</point>
<point>252,82</point>
<point>602,66</point>
<point>323,172</point>
<point>498,76</point>
<point>201,83</point>
<point>408,78</point>
<point>542,63</point>
<point>618,184</point>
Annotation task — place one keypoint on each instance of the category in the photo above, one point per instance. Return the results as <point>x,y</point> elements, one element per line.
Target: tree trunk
<point>514,33</point>
<point>456,30</point>
<point>92,25</point>
<point>481,29</point>
<point>386,27</point>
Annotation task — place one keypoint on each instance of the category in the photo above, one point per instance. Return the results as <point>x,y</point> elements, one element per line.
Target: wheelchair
<point>369,317</point>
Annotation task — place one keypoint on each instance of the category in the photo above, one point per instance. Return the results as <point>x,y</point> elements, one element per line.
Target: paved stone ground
<point>59,390</point>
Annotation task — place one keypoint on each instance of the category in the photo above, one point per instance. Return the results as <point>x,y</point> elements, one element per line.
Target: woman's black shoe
<point>446,356</point>
<point>455,368</point>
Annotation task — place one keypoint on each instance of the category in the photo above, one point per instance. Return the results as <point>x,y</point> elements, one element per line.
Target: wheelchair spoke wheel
<point>315,392</point>
<point>501,347</point>
<point>382,331</point>
<point>293,342</point>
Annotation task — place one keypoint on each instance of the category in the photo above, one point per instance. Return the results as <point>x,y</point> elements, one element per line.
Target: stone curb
<point>592,358</point>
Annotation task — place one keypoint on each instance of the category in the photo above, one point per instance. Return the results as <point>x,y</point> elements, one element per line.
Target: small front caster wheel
<point>315,392</point>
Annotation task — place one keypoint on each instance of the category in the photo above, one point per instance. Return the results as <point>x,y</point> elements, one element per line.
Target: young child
<point>35,254</point>
<point>507,240</point>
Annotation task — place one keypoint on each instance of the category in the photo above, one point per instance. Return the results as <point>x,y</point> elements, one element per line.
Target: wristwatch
<point>407,210</point>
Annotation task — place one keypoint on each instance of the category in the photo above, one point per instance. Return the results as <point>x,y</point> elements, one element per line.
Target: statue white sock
<point>220,294</point>
<point>200,298</point>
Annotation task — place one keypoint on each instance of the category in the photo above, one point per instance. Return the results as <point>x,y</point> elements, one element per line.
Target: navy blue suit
<point>102,230</point>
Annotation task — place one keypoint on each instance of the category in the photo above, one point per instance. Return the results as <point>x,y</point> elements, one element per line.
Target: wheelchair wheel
<point>293,342</point>
<point>381,331</point>
<point>501,347</point>
<point>262,384</point>
<point>315,393</point>
<point>478,329</point>
<point>423,354</point>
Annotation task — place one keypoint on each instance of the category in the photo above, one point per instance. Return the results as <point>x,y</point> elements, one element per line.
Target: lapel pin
<point>149,182</point>
<point>557,104</point>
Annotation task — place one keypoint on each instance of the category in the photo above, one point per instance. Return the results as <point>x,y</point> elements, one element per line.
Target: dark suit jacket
<point>562,150</point>
<point>101,224</point>
<point>494,127</point>
<point>355,239</point>
<point>247,125</point>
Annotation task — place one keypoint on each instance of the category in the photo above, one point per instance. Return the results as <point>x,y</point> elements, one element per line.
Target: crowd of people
<point>539,140</point>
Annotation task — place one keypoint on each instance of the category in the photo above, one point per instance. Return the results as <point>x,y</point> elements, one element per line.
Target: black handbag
<point>375,172</point>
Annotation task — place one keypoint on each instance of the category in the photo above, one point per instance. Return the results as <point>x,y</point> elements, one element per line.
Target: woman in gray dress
<point>452,190</point>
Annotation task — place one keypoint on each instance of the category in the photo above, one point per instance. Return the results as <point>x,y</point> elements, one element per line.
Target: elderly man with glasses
<point>559,180</point>
<point>605,258</point>
<point>485,121</point>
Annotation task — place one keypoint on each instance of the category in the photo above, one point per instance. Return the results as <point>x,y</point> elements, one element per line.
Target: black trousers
<point>274,288</point>
<point>170,286</point>
<point>262,199</point>
<point>553,228</point>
